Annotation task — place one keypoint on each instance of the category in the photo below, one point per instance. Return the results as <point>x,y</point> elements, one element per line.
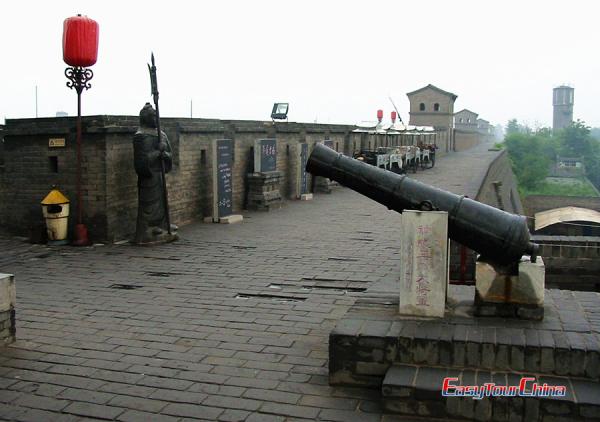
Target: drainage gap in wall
<point>335,288</point>
<point>283,299</point>
<point>160,274</point>
<point>317,278</point>
<point>162,258</point>
<point>124,286</point>
<point>243,247</point>
<point>351,280</point>
<point>363,239</point>
<point>341,258</point>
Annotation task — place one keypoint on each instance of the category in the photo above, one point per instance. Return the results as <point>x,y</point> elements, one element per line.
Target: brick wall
<point>109,182</point>
<point>572,262</point>
<point>504,195</point>
<point>537,203</point>
<point>32,168</point>
<point>464,140</point>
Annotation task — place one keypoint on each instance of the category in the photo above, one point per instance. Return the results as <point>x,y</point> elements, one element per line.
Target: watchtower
<point>562,101</point>
<point>432,106</point>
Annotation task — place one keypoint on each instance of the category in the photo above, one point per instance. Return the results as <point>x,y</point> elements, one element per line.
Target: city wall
<point>29,166</point>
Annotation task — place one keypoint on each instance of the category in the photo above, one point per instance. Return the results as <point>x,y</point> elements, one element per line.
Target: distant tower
<point>562,100</point>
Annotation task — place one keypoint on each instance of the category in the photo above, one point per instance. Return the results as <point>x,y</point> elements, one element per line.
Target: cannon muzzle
<point>499,236</point>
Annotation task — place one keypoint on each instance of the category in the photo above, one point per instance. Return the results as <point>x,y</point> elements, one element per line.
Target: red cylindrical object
<point>379,115</point>
<point>80,41</point>
<point>393,117</point>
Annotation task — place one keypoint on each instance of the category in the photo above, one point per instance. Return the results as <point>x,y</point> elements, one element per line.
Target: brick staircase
<point>408,359</point>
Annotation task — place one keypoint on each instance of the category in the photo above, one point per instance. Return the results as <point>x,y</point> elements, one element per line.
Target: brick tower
<point>562,100</point>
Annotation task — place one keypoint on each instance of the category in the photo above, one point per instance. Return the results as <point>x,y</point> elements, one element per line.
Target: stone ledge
<point>372,335</point>
<point>416,390</point>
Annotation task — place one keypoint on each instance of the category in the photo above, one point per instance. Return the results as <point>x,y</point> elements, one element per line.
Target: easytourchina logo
<point>528,387</point>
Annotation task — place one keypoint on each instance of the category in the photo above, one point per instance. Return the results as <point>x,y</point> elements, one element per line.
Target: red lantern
<point>393,117</point>
<point>80,41</point>
<point>379,115</point>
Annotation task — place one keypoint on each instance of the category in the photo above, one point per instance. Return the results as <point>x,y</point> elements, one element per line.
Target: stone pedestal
<point>424,254</point>
<point>8,299</point>
<point>513,291</point>
<point>231,219</point>
<point>263,191</point>
<point>323,185</point>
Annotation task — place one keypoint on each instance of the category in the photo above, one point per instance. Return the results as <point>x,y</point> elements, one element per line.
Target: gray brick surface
<point>183,346</point>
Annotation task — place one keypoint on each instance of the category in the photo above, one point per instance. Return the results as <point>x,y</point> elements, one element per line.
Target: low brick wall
<point>537,203</point>
<point>464,139</point>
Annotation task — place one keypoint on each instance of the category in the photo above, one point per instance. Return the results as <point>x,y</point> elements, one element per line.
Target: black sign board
<point>303,174</point>
<point>224,155</point>
<point>265,155</point>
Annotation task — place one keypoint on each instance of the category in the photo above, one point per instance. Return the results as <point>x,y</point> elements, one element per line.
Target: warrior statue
<point>150,155</point>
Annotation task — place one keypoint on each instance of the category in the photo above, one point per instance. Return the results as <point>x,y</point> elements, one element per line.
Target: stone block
<point>499,285</point>
<point>397,380</point>
<point>306,197</point>
<point>231,219</point>
<point>8,292</point>
<point>8,300</point>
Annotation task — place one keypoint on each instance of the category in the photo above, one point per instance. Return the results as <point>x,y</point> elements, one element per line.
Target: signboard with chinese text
<point>424,260</point>
<point>303,174</point>
<point>265,155</point>
<point>222,175</point>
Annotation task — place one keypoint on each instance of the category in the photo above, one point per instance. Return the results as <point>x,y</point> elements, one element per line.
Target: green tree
<point>576,140</point>
<point>512,127</point>
<point>528,156</point>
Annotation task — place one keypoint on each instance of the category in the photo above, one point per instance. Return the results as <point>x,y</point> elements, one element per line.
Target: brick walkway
<point>229,323</point>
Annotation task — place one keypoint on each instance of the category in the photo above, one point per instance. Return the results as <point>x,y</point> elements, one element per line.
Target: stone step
<point>362,350</point>
<point>417,390</point>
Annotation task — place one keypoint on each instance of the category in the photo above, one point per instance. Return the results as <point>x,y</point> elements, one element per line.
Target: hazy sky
<point>333,61</point>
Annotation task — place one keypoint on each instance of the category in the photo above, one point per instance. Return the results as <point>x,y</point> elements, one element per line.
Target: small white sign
<point>424,260</point>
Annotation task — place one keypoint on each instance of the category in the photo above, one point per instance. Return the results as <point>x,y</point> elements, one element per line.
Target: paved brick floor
<point>229,323</point>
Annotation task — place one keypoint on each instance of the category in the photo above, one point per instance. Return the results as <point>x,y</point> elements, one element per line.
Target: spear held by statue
<point>161,145</point>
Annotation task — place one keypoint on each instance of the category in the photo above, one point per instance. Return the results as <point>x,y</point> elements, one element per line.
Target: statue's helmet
<point>148,116</point>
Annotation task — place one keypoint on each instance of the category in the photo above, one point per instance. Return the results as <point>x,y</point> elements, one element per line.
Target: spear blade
<point>153,80</point>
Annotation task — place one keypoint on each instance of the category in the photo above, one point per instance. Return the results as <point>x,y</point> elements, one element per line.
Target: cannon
<point>498,236</point>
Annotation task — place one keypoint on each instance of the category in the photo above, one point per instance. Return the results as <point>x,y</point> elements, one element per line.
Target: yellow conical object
<point>55,197</point>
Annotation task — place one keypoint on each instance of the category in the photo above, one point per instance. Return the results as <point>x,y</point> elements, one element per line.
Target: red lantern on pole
<point>394,117</point>
<point>80,49</point>
<point>80,41</point>
<point>379,115</point>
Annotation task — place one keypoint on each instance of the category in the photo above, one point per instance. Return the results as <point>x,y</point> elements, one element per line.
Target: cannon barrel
<point>497,235</point>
